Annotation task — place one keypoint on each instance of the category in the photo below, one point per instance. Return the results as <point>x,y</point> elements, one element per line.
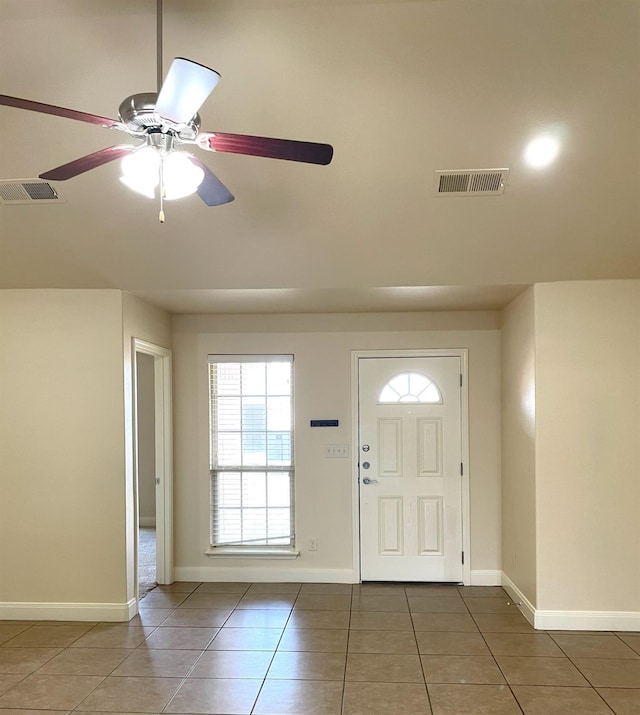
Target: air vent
<point>470,182</point>
<point>28,191</point>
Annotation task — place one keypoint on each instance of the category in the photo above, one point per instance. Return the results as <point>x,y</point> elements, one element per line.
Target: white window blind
<point>251,451</point>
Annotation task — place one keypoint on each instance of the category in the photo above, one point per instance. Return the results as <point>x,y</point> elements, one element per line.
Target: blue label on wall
<point>324,423</point>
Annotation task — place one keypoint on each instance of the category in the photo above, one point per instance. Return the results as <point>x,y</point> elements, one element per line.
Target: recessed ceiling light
<point>540,152</point>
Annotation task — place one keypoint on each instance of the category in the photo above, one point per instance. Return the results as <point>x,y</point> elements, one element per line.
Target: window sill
<point>231,553</point>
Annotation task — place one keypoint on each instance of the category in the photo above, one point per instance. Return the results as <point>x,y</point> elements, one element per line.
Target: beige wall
<point>518,445</point>
<point>66,464</point>
<point>588,445</point>
<point>62,518</point>
<point>146,457</point>
<point>322,345</point>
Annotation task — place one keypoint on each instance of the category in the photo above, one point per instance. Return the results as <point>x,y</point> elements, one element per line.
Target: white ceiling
<point>400,89</point>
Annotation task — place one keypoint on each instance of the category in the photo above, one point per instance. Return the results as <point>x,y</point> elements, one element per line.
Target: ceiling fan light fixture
<point>141,171</point>
<point>181,177</point>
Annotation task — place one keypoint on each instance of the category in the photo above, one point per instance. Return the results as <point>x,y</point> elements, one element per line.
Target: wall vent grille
<point>28,191</point>
<point>470,182</point>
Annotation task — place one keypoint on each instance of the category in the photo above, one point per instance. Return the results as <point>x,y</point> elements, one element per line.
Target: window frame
<point>247,548</point>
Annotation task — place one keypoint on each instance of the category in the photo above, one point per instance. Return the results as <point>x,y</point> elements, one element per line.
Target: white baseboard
<point>113,612</point>
<point>147,521</point>
<point>263,574</point>
<point>588,620</point>
<point>486,578</point>
<point>526,607</point>
<point>572,620</point>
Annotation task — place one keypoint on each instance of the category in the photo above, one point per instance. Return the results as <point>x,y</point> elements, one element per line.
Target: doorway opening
<point>146,470</point>
<point>153,466</point>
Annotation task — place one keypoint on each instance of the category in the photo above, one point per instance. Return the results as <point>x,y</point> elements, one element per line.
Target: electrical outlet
<point>313,544</point>
<point>336,450</point>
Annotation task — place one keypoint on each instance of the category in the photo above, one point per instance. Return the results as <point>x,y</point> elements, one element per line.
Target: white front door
<point>410,468</point>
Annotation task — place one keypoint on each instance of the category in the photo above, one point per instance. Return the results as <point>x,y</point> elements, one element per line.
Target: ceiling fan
<point>162,123</point>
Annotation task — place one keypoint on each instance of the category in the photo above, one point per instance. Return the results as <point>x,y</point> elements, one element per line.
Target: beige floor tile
<point>7,681</point>
<point>430,591</point>
<point>140,695</point>
<point>474,669</point>
<point>451,643</point>
<point>544,700</point>
<point>482,592</point>
<point>307,666</point>
<point>610,672</point>
<point>319,619</point>
<point>291,588</point>
<point>318,640</point>
<point>378,589</point>
<point>215,696</point>
<point>490,605</point>
<point>623,701</point>
<point>323,602</point>
<point>85,661</point>
<point>47,636</point>
<point>8,630</point>
<point>246,639</point>
<point>460,622</point>
<point>201,617</point>
<point>186,637</point>
<point>436,604</point>
<point>532,644</point>
<point>365,602</point>
<point>113,636</point>
<point>158,663</point>
<point>385,699</point>
<point>223,587</point>
<point>263,601</point>
<point>178,587</point>
<point>326,588</point>
<point>23,661</point>
<point>149,617</point>
<point>631,640</point>
<point>258,618</point>
<point>212,601</point>
<point>377,621</point>
<point>502,623</point>
<point>402,642</point>
<point>158,599</point>
<point>294,697</point>
<point>473,700</point>
<point>588,646</point>
<point>384,668</point>
<point>521,670</point>
<point>55,692</point>
<point>232,664</point>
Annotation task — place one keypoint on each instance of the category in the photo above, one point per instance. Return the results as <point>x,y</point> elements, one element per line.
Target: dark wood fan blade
<point>288,149</point>
<point>212,191</point>
<point>57,111</point>
<point>86,163</point>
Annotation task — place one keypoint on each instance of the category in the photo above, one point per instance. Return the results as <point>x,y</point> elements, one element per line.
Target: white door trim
<point>164,457</point>
<point>463,354</point>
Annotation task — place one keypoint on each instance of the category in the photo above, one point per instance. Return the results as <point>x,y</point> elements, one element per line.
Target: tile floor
<point>317,649</point>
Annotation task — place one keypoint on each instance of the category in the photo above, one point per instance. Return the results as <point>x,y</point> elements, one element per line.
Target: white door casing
<point>412,489</point>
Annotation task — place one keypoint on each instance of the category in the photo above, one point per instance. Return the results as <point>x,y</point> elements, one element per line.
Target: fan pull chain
<point>161,215</point>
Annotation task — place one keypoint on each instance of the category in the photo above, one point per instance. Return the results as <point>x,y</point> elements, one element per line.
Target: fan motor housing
<point>138,113</point>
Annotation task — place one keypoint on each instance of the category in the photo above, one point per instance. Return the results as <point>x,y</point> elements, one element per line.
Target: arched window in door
<point>410,387</point>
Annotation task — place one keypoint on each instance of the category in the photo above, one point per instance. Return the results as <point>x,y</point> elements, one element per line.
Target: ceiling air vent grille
<point>471,182</point>
<point>28,191</point>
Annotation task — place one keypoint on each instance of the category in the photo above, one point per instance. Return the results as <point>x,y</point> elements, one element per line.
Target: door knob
<point>366,480</point>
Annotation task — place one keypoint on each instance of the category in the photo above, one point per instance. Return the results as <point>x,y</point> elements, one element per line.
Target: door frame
<point>163,457</point>
<point>463,354</point>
